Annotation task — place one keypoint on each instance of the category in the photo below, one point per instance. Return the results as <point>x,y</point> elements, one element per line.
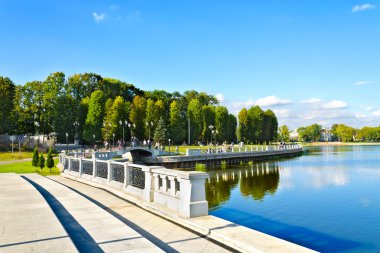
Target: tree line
<point>339,132</point>
<point>92,109</point>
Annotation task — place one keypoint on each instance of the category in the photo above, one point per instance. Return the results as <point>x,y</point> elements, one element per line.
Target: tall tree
<point>256,122</point>
<point>177,127</point>
<point>208,120</point>
<point>195,115</point>
<point>270,126</point>
<point>243,128</point>
<point>160,132</point>
<point>137,116</point>
<point>221,123</point>
<point>95,116</point>
<point>232,125</point>
<point>284,133</point>
<point>108,128</point>
<point>7,95</point>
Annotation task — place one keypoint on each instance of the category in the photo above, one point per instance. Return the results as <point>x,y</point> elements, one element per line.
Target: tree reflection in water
<point>256,180</point>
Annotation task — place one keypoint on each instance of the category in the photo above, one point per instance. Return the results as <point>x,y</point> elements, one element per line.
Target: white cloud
<point>220,97</point>
<point>335,104</point>
<point>282,113</point>
<point>272,101</point>
<point>376,113</point>
<point>98,17</point>
<point>363,7</point>
<point>359,83</point>
<point>311,101</point>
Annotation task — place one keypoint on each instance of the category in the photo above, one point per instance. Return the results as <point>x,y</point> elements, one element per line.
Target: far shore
<point>337,143</point>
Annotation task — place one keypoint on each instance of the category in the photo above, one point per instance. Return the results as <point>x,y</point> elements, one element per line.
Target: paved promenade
<point>55,214</point>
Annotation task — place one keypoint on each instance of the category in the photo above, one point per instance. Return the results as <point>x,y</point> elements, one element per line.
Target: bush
<point>35,157</point>
<point>49,160</point>
<point>41,162</point>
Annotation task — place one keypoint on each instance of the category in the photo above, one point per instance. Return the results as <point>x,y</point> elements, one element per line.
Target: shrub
<point>223,165</point>
<point>35,157</point>
<point>49,160</point>
<point>200,167</point>
<point>41,162</point>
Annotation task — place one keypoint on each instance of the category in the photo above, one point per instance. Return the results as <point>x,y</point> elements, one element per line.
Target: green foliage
<point>200,167</point>
<point>35,157</point>
<point>195,114</point>
<point>310,133</point>
<point>177,126</point>
<point>221,123</point>
<point>284,133</point>
<point>370,134</point>
<point>7,95</point>
<point>49,160</point>
<point>137,116</point>
<point>345,133</point>
<point>160,132</point>
<point>41,162</point>
<point>95,115</point>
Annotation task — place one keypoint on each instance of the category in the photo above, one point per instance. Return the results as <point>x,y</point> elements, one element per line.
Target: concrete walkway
<point>39,214</point>
<point>27,223</point>
<point>165,234</point>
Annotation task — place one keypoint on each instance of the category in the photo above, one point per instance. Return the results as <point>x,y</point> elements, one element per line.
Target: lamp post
<point>76,124</point>
<point>38,136</point>
<point>113,140</point>
<point>93,140</point>
<point>67,142</point>
<point>169,145</point>
<point>211,127</point>
<point>149,124</point>
<point>121,124</point>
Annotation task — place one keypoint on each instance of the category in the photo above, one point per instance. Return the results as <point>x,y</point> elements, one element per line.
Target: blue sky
<point>310,61</point>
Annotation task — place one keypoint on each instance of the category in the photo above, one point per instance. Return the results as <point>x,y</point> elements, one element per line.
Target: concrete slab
<point>26,220</point>
<point>167,235</point>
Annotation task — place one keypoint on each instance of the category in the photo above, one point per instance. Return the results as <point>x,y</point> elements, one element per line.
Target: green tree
<point>243,128</point>
<point>270,126</point>
<point>7,95</point>
<point>137,116</point>
<point>95,116</point>
<point>177,126</point>
<point>195,115</point>
<point>41,162</point>
<point>284,133</point>
<point>208,120</point>
<point>221,123</point>
<point>108,127</point>
<point>35,157</point>
<point>160,132</point>
<point>231,130</point>
<point>256,123</point>
<point>49,160</point>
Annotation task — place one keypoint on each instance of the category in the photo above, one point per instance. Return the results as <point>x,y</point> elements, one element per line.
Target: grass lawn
<point>8,156</point>
<point>26,167</point>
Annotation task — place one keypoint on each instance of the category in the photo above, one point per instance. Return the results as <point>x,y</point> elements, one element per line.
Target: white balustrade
<point>181,191</point>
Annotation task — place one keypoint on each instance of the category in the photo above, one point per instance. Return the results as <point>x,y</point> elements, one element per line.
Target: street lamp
<point>93,140</point>
<point>149,124</point>
<point>67,142</point>
<point>169,145</point>
<point>113,140</point>
<point>211,127</point>
<point>76,124</point>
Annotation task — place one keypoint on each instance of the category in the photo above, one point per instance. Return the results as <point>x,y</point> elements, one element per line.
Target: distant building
<point>326,134</point>
<point>294,135</point>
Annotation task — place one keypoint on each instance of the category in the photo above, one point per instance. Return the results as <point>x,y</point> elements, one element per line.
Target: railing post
<point>125,175</point>
<point>80,166</point>
<point>148,191</point>
<point>109,172</point>
<point>69,166</point>
<point>172,186</point>
<point>94,169</point>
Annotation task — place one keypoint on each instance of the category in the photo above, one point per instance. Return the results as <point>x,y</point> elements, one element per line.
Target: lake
<point>327,200</point>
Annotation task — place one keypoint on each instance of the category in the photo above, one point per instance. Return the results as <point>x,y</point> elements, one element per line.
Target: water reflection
<point>256,181</point>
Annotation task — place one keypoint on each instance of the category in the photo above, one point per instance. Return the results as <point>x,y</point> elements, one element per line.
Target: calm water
<point>327,200</point>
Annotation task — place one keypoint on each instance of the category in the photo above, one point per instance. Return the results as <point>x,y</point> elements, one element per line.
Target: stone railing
<point>180,191</point>
<point>229,149</point>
